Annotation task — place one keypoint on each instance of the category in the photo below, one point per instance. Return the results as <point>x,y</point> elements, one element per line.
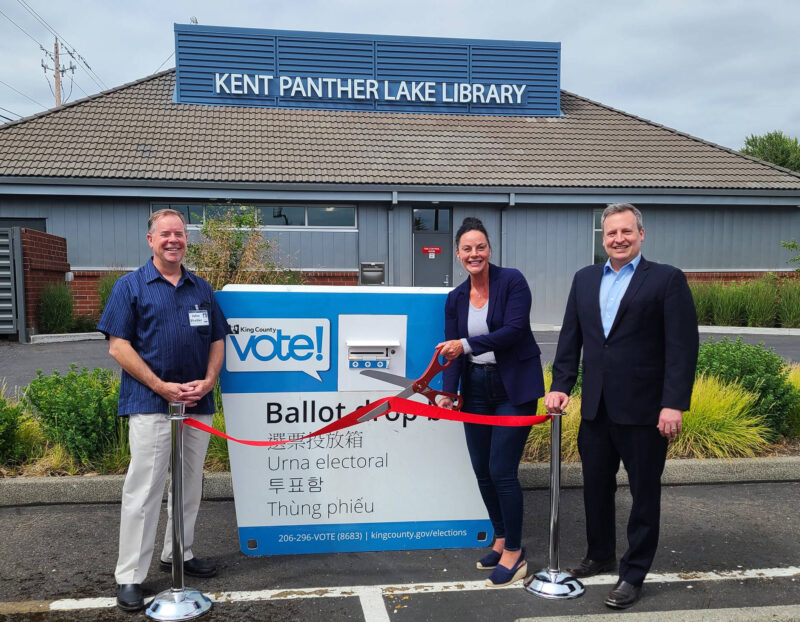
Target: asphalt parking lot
<point>723,547</point>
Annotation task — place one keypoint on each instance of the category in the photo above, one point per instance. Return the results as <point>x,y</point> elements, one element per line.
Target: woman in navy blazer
<point>497,367</point>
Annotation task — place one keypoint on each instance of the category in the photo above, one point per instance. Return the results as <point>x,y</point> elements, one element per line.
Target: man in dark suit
<point>636,323</point>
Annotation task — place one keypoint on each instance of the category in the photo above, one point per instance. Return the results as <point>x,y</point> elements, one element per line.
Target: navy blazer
<point>649,358</point>
<point>509,337</point>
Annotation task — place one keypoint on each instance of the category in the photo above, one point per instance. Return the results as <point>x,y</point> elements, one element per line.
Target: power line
<point>71,50</point>
<point>165,61</point>
<point>22,29</point>
<point>10,111</point>
<point>23,94</point>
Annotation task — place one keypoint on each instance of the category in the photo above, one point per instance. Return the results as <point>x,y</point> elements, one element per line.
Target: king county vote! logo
<point>269,344</point>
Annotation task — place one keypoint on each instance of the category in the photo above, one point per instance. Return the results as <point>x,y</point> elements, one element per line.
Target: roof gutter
<point>390,194</point>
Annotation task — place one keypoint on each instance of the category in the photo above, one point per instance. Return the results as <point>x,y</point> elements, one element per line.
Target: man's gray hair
<point>616,208</point>
<point>158,215</point>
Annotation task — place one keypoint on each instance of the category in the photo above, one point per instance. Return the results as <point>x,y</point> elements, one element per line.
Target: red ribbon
<point>396,404</point>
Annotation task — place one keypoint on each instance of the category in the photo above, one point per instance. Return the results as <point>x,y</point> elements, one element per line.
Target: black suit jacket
<point>649,359</point>
<point>510,337</point>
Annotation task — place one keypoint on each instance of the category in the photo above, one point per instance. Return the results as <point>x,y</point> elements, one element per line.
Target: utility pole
<point>58,70</point>
<point>57,74</point>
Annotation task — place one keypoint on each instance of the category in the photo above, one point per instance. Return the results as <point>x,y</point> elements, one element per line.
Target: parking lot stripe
<point>372,597</point>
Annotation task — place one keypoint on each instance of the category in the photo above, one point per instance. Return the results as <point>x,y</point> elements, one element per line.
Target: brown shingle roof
<point>136,132</point>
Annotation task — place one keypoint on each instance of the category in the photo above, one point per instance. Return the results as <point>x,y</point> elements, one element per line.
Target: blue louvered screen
<point>287,69</point>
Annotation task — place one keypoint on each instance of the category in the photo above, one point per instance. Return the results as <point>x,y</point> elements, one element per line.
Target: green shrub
<point>78,410</point>
<point>703,293</point>
<point>233,249</point>
<point>55,308</point>
<point>105,285</point>
<point>720,423</point>
<point>761,301</point>
<point>794,380</point>
<point>10,419</point>
<point>84,324</point>
<point>728,305</point>
<point>789,304</point>
<point>758,370</point>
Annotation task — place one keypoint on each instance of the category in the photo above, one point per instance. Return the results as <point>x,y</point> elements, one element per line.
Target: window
<point>599,253</point>
<point>282,216</point>
<point>331,216</point>
<point>435,220</point>
<point>269,215</point>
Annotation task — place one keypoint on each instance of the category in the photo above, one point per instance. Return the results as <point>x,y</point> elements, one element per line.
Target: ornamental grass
<point>728,305</point>
<point>537,448</point>
<point>217,458</point>
<point>721,423</point>
<point>761,301</point>
<point>789,304</point>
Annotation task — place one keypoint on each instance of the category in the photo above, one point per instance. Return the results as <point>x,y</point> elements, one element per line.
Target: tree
<point>774,147</point>
<point>232,249</point>
<point>793,245</point>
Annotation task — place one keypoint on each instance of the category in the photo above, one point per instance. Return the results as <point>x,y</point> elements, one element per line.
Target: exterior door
<point>433,247</point>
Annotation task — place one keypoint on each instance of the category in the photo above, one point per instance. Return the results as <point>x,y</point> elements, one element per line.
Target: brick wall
<point>44,260</point>
<point>732,277</point>
<point>87,298</point>
<point>331,278</point>
<point>84,292</point>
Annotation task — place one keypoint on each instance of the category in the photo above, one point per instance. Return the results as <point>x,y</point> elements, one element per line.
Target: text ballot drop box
<point>293,365</point>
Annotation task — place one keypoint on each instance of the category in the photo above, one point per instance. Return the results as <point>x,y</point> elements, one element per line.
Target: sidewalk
<point>20,491</point>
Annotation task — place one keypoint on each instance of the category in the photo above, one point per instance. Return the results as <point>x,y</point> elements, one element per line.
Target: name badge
<point>198,317</point>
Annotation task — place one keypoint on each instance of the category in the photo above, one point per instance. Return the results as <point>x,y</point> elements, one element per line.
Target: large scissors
<point>421,385</point>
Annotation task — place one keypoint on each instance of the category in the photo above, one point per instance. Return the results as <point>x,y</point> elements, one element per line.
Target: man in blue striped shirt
<point>167,333</point>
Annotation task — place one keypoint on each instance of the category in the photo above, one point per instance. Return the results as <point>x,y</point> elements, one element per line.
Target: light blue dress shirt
<point>613,286</point>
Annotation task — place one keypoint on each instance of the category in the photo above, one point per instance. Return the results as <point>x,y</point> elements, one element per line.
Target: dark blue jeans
<point>495,451</point>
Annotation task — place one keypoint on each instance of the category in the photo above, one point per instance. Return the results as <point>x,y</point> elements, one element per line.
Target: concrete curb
<point>64,337</point>
<point>19,491</point>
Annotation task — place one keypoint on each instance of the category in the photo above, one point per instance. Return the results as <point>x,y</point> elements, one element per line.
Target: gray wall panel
<point>100,232</point>
<point>316,249</point>
<point>548,243</point>
<point>717,238</point>
<point>373,222</point>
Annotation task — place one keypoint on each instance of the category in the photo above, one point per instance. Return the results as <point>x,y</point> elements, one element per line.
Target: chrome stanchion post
<point>551,582</point>
<point>177,603</point>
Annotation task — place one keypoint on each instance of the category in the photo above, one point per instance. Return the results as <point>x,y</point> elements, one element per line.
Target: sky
<point>720,70</point>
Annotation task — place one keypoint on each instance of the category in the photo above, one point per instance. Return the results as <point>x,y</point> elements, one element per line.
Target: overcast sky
<point>717,69</point>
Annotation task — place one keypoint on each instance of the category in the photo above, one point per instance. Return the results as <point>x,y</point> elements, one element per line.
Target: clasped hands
<point>188,392</point>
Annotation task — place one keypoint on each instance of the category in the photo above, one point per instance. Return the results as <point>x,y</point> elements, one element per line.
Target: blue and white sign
<point>293,69</point>
<point>293,364</point>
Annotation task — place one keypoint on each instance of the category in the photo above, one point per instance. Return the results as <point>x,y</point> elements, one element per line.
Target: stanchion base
<point>178,605</point>
<point>554,584</point>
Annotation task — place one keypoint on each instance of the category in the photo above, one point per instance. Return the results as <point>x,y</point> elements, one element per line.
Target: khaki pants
<point>151,445</point>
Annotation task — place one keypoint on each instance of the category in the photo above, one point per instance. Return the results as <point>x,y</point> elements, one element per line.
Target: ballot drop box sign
<point>293,365</point>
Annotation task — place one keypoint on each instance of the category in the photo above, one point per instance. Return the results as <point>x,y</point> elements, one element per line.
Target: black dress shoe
<point>130,597</point>
<point>194,567</point>
<point>623,595</point>
<point>589,567</point>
